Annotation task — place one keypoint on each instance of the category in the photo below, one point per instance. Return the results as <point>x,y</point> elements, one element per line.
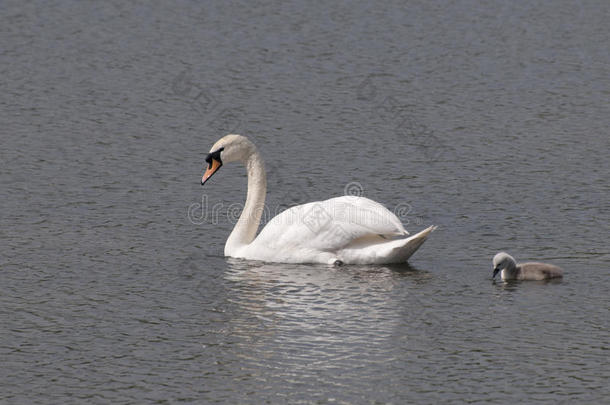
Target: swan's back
<point>330,225</point>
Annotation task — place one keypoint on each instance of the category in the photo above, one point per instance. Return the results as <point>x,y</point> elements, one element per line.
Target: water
<point>487,119</point>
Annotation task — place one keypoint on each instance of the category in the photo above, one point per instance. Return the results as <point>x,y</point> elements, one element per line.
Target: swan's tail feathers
<point>377,250</point>
<point>408,246</point>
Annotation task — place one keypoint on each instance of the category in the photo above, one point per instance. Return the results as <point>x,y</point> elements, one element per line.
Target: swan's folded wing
<point>330,225</point>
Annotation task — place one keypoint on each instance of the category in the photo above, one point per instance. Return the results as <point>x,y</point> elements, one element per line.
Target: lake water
<point>489,119</point>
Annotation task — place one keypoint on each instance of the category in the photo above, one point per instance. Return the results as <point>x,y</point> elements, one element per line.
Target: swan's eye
<point>214,155</point>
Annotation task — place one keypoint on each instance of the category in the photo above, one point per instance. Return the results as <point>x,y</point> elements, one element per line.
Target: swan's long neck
<point>245,229</point>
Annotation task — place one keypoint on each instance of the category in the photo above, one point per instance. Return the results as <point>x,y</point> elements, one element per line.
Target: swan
<point>523,271</point>
<point>341,230</point>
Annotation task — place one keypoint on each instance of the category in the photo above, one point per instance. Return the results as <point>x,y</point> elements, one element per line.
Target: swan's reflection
<point>304,315</point>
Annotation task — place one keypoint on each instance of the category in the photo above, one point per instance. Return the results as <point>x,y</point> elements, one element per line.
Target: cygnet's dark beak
<point>496,271</point>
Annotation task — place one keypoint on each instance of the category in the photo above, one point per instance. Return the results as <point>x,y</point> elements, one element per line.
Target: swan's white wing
<point>330,225</point>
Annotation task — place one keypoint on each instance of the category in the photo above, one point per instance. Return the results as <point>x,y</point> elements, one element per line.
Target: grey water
<point>489,119</point>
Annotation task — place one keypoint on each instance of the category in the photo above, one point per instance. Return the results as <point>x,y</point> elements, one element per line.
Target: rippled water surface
<point>488,119</point>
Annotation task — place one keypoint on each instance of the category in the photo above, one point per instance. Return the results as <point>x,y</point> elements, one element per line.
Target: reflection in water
<point>302,316</point>
<point>512,285</point>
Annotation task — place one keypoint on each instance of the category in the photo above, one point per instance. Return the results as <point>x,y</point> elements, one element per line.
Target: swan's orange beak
<point>213,167</point>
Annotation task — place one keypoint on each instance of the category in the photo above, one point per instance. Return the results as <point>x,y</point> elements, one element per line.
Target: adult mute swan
<point>348,229</point>
<point>523,271</point>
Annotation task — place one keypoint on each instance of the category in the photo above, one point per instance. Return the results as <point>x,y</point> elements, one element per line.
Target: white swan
<point>351,230</point>
<point>523,271</point>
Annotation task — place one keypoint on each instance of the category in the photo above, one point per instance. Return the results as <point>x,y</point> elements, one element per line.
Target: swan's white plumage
<point>330,224</point>
<point>349,229</point>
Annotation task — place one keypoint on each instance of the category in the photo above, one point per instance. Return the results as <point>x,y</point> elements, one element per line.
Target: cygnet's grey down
<point>523,271</point>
